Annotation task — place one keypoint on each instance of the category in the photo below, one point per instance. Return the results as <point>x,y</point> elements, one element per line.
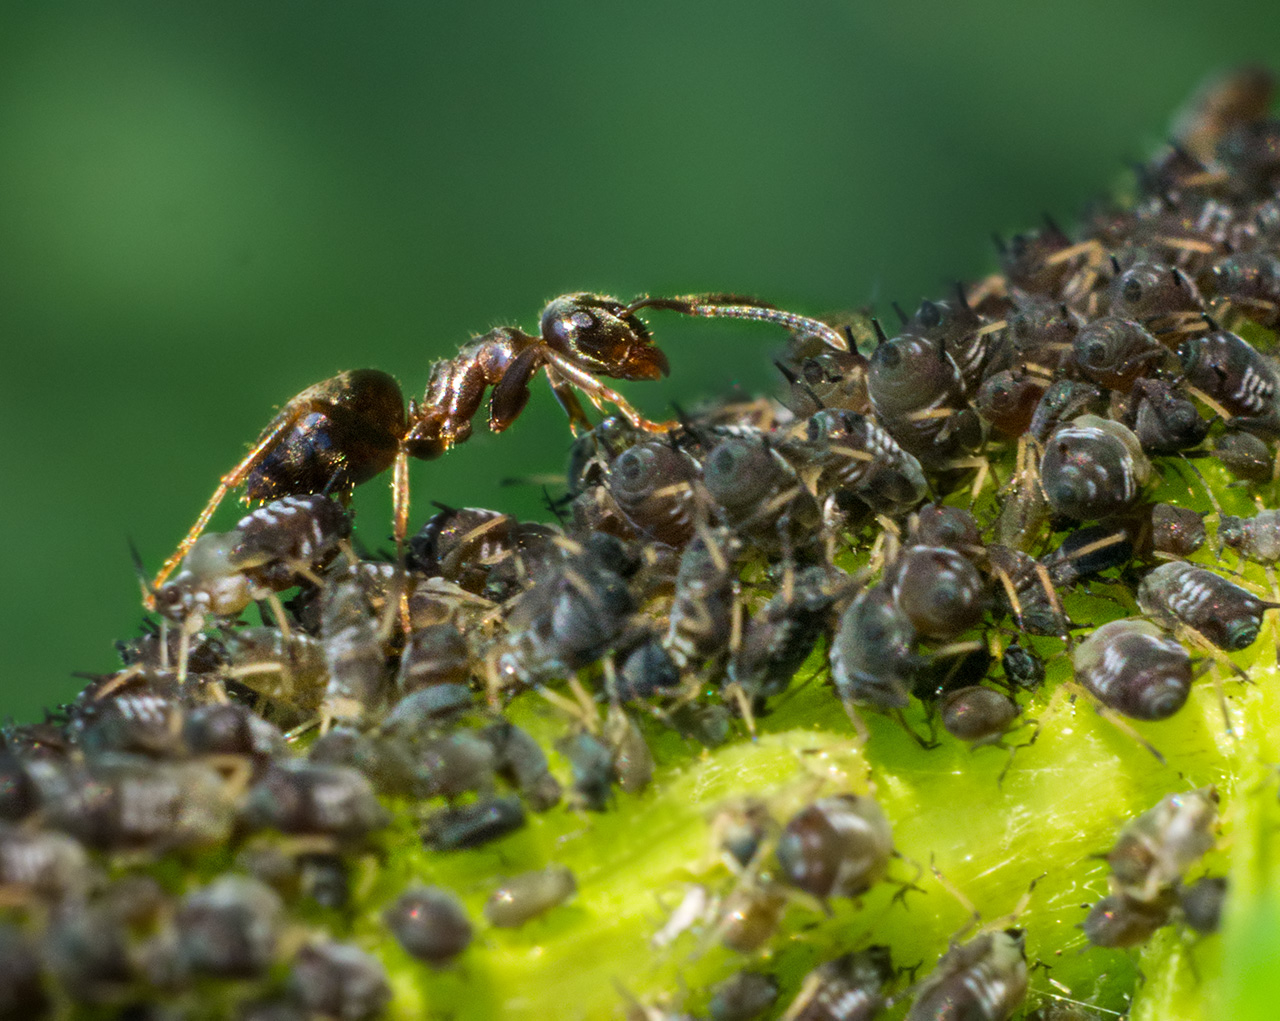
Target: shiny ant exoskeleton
<point>346,430</point>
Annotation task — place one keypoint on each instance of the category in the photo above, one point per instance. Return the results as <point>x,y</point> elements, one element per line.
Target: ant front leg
<point>567,373</point>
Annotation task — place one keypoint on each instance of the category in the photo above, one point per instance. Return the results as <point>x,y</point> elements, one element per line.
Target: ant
<point>346,430</point>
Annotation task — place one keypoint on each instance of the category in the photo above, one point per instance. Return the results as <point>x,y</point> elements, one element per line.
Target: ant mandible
<point>346,430</point>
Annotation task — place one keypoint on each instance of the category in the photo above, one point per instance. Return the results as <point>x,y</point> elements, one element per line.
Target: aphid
<point>591,762</point>
<point>1245,455</point>
<point>849,456</point>
<point>1154,850</point>
<point>982,980</point>
<point>743,996</point>
<point>1251,282</point>
<point>387,761</point>
<point>977,715</point>
<point>1179,593</point>
<point>430,924</point>
<point>231,729</point>
<point>1113,352</point>
<point>472,825</point>
<point>1026,588</point>
<point>1064,400</point>
<point>229,929</point>
<point>298,797</point>
<point>289,670</point>
<point>1249,152</point>
<point>136,720</point>
<point>872,655</point>
<point>528,895</point>
<point>632,760</point>
<point>454,764</point>
<point>939,591</point>
<point>1086,552</point>
<point>353,651</point>
<point>836,847</point>
<point>1008,400</point>
<point>1255,538</point>
<point>37,865</point>
<point>1148,291</point>
<point>850,988</point>
<point>653,485</point>
<point>1130,666</point>
<point>828,379</point>
<point>85,947</point>
<point>757,494</point>
<point>339,980</point>
<point>520,759</point>
<point>325,880</point>
<point>1178,531</point>
<point>646,670</point>
<point>1237,381</point>
<point>1042,335</point>
<point>699,621</point>
<point>1201,903</point>
<point>1120,921</point>
<point>1022,668</point>
<point>750,915</point>
<point>955,528</point>
<point>1034,262</point>
<point>1093,468</point>
<point>436,654</point>
<point>1166,421</point>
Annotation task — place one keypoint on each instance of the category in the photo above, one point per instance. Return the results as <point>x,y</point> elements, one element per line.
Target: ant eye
<point>582,320</point>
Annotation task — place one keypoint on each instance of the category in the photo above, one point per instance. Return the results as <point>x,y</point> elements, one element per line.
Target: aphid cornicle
<point>1179,593</point>
<point>850,988</point>
<point>836,847</point>
<point>1130,666</point>
<point>430,924</point>
<point>1093,468</point>
<point>982,980</point>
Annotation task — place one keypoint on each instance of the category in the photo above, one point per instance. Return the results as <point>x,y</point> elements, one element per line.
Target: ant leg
<point>568,402</point>
<point>285,420</point>
<point>734,306</point>
<point>599,394</point>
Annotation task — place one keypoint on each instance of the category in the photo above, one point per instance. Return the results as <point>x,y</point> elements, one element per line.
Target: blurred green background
<point>205,208</point>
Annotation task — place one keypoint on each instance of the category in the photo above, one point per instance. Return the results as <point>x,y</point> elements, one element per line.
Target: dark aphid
<point>228,728</point>
<point>1251,153</point>
<point>1120,921</point>
<point>473,825</point>
<point>1166,421</point>
<point>1246,456</point>
<point>325,879</point>
<point>955,528</point>
<point>22,992</point>
<point>850,457</point>
<point>452,765</point>
<point>1042,334</point>
<point>743,996</point>
<point>1201,903</point>
<point>872,655</point>
<point>135,720</point>
<point>828,379</point>
<point>1063,401</point>
<point>837,847</point>
<point>436,654</point>
<point>782,634</point>
<point>750,915</point>
<point>652,484</point>
<point>36,865</point>
<point>1178,531</point>
<point>353,652</point>
<point>299,797</point>
<point>954,326</point>
<point>1113,352</point>
<point>528,895</point>
<point>977,715</point>
<point>1154,850</point>
<point>1149,291</point>
<point>706,589</point>
<point>124,802</point>
<point>426,709</point>
<point>339,980</point>
<point>1024,585</point>
<point>591,762</point>
<point>286,542</point>
<point>1029,263</point>
<point>982,980</point>
<point>850,988</point>
<point>646,671</point>
<point>759,496</point>
<point>1179,593</point>
<point>939,590</point>
<point>1251,282</point>
<point>279,1008</point>
<point>1086,552</point>
<point>1131,667</point>
<point>1228,370</point>
<point>1022,668</point>
<point>1255,538</point>
<point>477,549</point>
<point>918,394</point>
<point>86,949</point>
<point>1093,468</point>
<point>521,760</point>
<point>229,929</point>
<point>1008,400</point>
<point>430,924</point>
<point>289,670</point>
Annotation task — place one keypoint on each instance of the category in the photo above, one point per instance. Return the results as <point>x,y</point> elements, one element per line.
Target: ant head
<point>603,335</point>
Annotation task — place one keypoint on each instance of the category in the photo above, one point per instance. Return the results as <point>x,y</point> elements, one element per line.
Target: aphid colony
<point>920,511</point>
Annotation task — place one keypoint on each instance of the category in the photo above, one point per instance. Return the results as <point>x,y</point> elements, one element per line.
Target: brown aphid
<point>1093,468</point>
<point>750,915</point>
<point>836,847</point>
<point>1008,399</point>
<point>430,924</point>
<point>1120,921</point>
<point>1159,295</point>
<point>528,895</point>
<point>1246,456</point>
<point>829,379</point>
<point>982,980</point>
<point>1113,352</point>
<point>339,980</point>
<point>939,590</point>
<point>700,620</point>
<point>1131,667</point>
<point>955,528</point>
<point>1179,593</point>
<point>850,988</point>
<point>652,484</point>
<point>977,715</point>
<point>1042,334</point>
<point>1155,850</point>
<point>1178,531</point>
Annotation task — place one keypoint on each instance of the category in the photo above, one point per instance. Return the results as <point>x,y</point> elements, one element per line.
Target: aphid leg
<point>1115,719</point>
<point>906,886</point>
<point>975,917</point>
<point>740,698</point>
<point>1014,749</point>
<point>285,420</point>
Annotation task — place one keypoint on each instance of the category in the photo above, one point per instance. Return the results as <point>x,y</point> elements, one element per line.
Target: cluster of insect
<point>920,510</point>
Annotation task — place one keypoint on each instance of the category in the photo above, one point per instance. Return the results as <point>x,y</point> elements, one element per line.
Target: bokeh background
<point>206,208</point>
